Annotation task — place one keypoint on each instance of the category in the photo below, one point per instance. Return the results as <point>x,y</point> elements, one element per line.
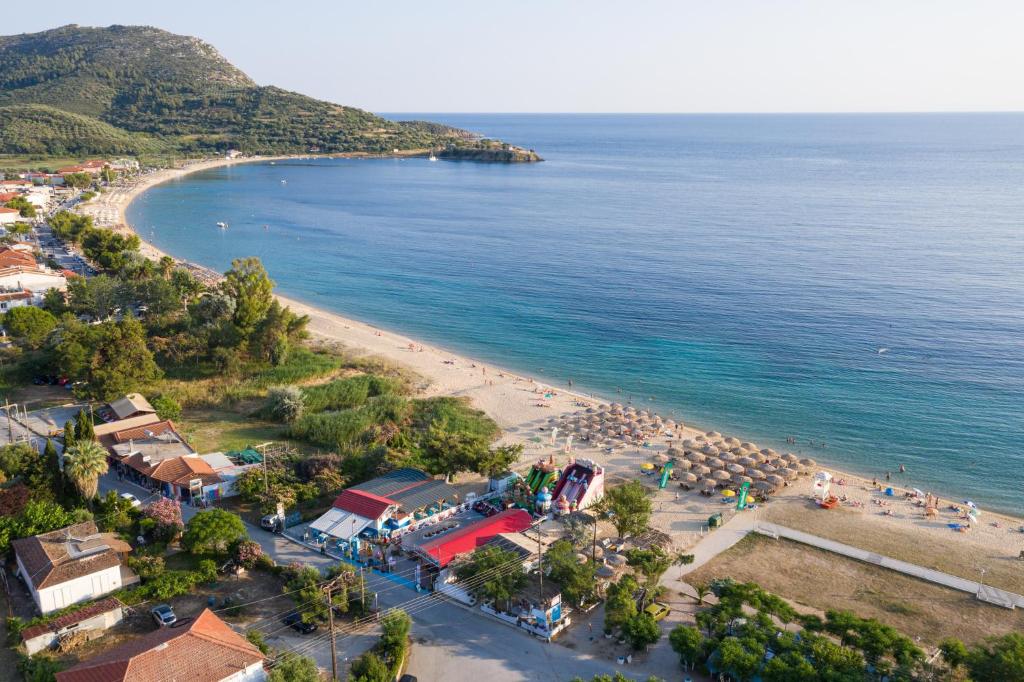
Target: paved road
<point>451,642</point>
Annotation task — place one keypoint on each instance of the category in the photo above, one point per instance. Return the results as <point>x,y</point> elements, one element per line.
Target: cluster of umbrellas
<point>716,461</point>
<point>615,425</point>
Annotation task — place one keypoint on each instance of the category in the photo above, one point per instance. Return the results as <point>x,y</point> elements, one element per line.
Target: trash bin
<point>714,521</point>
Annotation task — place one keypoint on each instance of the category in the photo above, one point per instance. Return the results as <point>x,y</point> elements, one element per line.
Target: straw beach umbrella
<point>808,462</point>
<point>715,463</point>
<point>767,468</point>
<point>740,479</point>
<point>689,443</point>
<point>696,457</point>
<point>721,475</point>
<point>775,479</point>
<point>735,468</point>
<point>710,484</point>
<point>748,446</point>
<point>763,485</point>
<point>788,473</point>
<point>757,474</point>
<point>713,434</point>
<point>661,457</point>
<point>683,464</point>
<point>732,441</point>
<point>791,458</point>
<point>726,456</point>
<point>690,477</point>
<point>701,470</point>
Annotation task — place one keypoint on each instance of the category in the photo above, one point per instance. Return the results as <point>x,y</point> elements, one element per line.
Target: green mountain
<point>138,89</point>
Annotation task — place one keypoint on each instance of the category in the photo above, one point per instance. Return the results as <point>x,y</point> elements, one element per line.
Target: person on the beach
<point>888,476</point>
<point>903,469</point>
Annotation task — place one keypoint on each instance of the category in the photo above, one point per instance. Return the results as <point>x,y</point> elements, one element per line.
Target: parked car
<point>163,615</point>
<point>270,522</point>
<point>408,678</point>
<point>657,610</point>
<point>135,502</point>
<point>295,622</point>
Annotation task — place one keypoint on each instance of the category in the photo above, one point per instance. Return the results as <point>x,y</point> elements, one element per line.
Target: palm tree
<point>702,591</point>
<point>166,266</point>
<point>84,463</point>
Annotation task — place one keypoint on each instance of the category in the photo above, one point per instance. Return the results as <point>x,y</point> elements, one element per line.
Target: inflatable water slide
<point>581,484</point>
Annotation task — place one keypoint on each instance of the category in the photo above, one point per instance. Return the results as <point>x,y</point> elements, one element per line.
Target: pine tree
<point>84,431</point>
<point>52,460</point>
<point>69,434</point>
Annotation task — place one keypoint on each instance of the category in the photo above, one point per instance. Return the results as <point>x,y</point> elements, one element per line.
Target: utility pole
<point>540,553</point>
<point>362,588</point>
<point>329,589</point>
<point>10,426</point>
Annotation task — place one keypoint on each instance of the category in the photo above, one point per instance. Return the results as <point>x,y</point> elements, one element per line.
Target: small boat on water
<point>432,157</point>
<point>222,226</point>
<point>284,182</point>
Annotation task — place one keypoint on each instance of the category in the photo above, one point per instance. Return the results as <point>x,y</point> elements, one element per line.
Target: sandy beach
<point>518,404</point>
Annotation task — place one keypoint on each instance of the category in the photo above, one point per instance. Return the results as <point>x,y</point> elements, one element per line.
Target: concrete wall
<point>95,627</point>
<point>254,673</point>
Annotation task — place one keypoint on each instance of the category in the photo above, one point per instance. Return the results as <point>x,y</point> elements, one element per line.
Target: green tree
<point>652,564</point>
<point>52,460</point>
<point>77,180</point>
<point>166,407</point>
<point>252,290</point>
<point>212,531</point>
<point>629,507</point>
<point>702,591</point>
<point>688,642</point>
<point>997,658</point>
<point>954,652</point>
<point>370,668</point>
<point>55,302</point>
<point>84,429</point>
<point>69,434</point>
<point>290,667</point>
<point>25,208</point>
<point>114,513</point>
<point>789,666</point>
<point>276,332</point>
<point>84,463</point>
<point>38,516</point>
<point>740,657</point>
<point>493,462</point>
<point>499,574</point>
<point>641,631</point>
<point>121,362</point>
<point>448,451</point>
<point>576,579</point>
<point>620,605</point>
<point>29,326</point>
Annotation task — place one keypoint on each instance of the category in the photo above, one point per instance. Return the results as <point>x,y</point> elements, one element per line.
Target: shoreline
<point>513,402</point>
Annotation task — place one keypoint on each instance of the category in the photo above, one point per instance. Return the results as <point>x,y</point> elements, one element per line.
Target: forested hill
<point>137,89</point>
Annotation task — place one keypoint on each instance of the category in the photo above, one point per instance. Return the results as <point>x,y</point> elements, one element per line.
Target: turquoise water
<point>850,280</point>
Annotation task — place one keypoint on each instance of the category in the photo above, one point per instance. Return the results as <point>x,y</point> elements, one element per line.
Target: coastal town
<point>204,480</point>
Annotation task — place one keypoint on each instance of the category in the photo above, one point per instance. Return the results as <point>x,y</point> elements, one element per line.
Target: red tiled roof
<point>466,539</point>
<point>362,503</point>
<point>202,650</point>
<point>12,257</point>
<point>67,619</point>
<point>47,557</point>
<point>4,209</point>
<point>147,431</point>
<point>15,295</point>
<point>7,196</point>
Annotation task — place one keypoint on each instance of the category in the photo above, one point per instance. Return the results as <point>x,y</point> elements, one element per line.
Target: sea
<point>846,287</point>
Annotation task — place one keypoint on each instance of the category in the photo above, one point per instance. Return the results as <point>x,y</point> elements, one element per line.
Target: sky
<point>598,56</point>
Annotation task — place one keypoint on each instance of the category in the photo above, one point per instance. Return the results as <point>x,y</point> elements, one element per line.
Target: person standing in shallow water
<point>903,469</point>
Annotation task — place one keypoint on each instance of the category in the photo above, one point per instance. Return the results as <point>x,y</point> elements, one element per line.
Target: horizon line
<point>710,113</point>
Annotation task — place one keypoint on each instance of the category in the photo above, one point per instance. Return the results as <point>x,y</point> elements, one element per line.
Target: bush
<point>148,567</point>
<point>284,404</point>
<point>166,407</point>
<point>39,668</point>
<point>247,553</point>
<point>343,394</point>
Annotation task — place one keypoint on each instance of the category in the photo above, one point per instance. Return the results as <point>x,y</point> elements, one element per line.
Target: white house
<point>14,299</point>
<point>72,565</point>
<point>9,216</point>
<point>36,280</point>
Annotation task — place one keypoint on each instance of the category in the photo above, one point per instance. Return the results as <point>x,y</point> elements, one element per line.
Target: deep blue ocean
<point>853,280</point>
